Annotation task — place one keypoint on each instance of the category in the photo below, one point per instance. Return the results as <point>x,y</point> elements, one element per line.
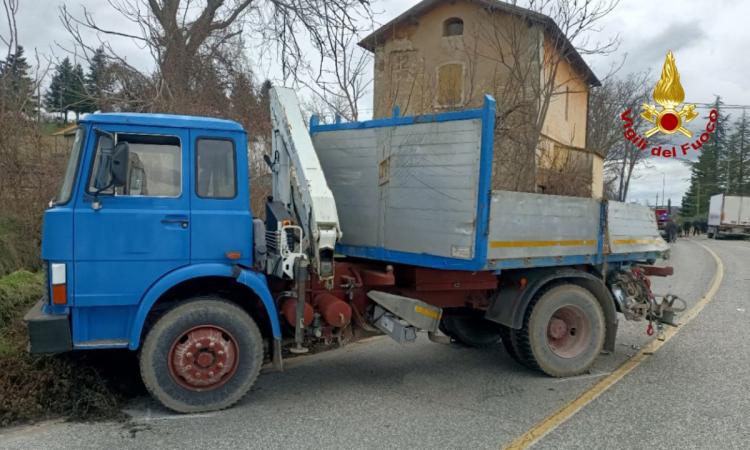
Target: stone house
<point>444,55</point>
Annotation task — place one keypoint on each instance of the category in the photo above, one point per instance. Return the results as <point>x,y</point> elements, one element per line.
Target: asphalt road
<point>692,393</point>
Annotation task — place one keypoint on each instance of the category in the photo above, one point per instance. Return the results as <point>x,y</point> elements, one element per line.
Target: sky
<point>709,39</point>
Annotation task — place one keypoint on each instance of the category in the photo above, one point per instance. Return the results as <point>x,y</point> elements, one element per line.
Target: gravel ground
<point>377,394</point>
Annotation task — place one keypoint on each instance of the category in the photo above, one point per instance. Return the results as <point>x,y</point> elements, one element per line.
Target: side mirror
<point>119,166</point>
<point>103,178</point>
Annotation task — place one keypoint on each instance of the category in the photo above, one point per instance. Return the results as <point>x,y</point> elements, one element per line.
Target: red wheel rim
<point>203,358</point>
<point>568,332</point>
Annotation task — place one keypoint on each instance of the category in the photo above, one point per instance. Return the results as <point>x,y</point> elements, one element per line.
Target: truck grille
<point>272,242</point>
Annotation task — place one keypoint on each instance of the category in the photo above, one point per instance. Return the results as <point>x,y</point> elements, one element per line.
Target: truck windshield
<point>70,172</point>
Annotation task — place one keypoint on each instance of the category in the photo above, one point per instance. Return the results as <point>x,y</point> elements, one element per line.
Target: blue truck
<point>386,226</point>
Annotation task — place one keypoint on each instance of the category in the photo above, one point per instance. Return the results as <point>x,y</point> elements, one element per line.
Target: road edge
<point>550,423</point>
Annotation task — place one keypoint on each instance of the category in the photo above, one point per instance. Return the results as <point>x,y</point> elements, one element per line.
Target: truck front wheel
<point>563,331</point>
<point>203,355</point>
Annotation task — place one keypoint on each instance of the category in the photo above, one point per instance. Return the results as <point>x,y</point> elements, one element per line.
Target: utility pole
<point>663,183</point>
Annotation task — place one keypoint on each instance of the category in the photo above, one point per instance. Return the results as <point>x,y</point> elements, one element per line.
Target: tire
<point>555,349</point>
<point>471,331</point>
<point>220,378</point>
<point>508,343</point>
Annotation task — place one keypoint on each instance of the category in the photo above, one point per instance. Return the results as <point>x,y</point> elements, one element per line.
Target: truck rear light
<point>58,282</point>
<point>59,294</point>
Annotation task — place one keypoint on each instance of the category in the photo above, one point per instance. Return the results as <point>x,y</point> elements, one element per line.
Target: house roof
<point>375,38</point>
<point>163,120</point>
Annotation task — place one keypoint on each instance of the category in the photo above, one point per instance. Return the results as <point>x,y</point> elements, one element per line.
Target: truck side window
<point>154,166</point>
<point>215,168</point>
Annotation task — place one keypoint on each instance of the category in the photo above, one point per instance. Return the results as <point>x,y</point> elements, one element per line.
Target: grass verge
<point>74,386</point>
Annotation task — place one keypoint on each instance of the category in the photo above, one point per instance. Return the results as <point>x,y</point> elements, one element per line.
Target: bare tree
<point>606,131</point>
<point>528,48</point>
<point>10,40</point>
<point>189,39</point>
<point>340,77</point>
<point>29,169</point>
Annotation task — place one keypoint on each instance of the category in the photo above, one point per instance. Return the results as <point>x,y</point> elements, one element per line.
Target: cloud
<point>670,175</point>
<point>675,37</point>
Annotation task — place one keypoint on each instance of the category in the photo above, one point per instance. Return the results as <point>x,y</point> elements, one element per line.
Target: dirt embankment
<point>84,387</point>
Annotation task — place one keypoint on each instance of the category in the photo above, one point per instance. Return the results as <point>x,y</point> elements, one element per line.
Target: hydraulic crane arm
<point>300,185</point>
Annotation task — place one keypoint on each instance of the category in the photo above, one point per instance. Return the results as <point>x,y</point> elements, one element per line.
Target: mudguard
<point>253,280</point>
<point>258,284</point>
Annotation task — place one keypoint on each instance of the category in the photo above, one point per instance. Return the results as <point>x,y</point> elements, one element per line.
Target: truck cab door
<point>128,237</point>
<point>220,218</point>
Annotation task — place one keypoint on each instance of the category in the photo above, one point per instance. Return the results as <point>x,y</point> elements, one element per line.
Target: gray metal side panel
<point>350,162</point>
<point>632,228</point>
<point>432,188</point>
<point>526,225</point>
<point>425,202</point>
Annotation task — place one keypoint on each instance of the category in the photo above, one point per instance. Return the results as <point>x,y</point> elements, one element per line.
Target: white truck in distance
<point>728,215</point>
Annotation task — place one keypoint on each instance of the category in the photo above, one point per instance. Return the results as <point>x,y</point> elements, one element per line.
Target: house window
<point>453,27</point>
<point>450,85</point>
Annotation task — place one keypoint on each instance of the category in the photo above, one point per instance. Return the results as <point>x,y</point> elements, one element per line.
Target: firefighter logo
<point>668,118</point>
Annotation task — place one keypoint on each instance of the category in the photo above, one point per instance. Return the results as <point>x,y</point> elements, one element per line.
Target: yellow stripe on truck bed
<point>564,243</point>
<point>635,241</point>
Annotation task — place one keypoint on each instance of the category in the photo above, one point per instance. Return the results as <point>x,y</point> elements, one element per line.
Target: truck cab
<point>183,204</point>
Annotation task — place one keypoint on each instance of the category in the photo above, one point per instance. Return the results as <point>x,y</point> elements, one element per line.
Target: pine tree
<point>98,82</point>
<point>708,173</point>
<point>78,98</point>
<point>265,92</point>
<point>730,165</point>
<point>16,85</point>
<point>243,102</point>
<point>58,95</point>
<point>262,123</point>
<point>740,148</point>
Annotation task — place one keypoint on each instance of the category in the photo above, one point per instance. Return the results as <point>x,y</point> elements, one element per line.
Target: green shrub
<point>19,244</point>
<point>17,291</point>
<point>38,387</point>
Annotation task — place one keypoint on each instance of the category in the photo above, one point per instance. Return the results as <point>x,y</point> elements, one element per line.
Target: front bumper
<point>48,333</point>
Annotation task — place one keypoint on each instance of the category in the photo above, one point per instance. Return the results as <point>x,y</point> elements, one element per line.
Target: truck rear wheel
<point>506,334</point>
<point>563,331</point>
<point>471,330</point>
<point>203,355</point>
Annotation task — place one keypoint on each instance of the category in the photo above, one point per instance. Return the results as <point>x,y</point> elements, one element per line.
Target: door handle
<point>180,220</point>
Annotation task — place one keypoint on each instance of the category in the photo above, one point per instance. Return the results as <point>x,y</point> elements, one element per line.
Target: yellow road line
<point>539,430</point>
<point>565,243</point>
